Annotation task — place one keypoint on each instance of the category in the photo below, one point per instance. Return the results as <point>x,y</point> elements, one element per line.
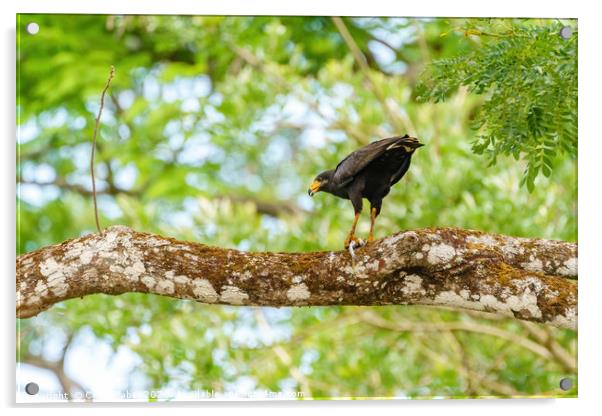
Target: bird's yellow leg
<point>372,221</point>
<point>351,237</point>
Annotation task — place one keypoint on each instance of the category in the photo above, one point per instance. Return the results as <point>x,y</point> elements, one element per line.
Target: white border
<point>590,347</point>
<point>308,7</point>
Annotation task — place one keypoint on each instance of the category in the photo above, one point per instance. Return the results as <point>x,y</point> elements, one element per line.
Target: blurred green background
<point>212,131</point>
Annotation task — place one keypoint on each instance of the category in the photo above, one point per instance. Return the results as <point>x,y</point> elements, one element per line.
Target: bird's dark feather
<point>368,173</point>
<point>403,168</point>
<point>349,167</point>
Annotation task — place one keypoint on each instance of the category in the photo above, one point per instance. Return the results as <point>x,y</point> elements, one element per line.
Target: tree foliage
<point>211,118</point>
<point>527,74</point>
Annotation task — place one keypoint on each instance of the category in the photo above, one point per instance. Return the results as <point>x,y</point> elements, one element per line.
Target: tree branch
<point>80,189</point>
<point>68,384</point>
<point>474,327</point>
<point>266,207</point>
<point>529,279</point>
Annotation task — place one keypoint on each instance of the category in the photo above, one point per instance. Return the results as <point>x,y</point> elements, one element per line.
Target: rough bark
<point>528,279</point>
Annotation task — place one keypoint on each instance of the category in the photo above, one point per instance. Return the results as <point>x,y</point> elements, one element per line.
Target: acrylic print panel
<point>195,263</point>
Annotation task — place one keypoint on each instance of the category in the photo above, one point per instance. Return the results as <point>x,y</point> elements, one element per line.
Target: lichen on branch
<point>529,279</point>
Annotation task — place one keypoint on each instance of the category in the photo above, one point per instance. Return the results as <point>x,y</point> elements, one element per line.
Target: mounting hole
<point>33,28</point>
<point>32,389</point>
<point>566,383</point>
<point>566,32</point>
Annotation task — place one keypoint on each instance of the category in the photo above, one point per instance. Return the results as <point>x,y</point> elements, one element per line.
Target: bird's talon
<point>353,240</point>
<point>351,252</point>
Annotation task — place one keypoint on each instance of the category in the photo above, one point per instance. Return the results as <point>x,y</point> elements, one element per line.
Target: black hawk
<point>369,173</point>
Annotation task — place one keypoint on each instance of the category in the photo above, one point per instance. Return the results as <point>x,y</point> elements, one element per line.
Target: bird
<point>367,173</point>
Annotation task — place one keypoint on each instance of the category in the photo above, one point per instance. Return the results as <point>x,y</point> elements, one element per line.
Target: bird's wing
<point>403,168</point>
<point>358,160</point>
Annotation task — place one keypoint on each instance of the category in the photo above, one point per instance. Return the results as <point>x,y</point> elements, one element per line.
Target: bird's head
<point>320,182</point>
<point>410,143</point>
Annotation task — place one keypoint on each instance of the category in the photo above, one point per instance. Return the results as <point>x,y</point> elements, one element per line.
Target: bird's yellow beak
<point>314,187</point>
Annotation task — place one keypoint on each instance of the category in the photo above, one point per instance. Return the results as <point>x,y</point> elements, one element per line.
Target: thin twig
<point>396,121</point>
<point>82,190</point>
<point>491,385</point>
<point>563,357</point>
<point>426,59</point>
<point>283,355</point>
<point>102,103</point>
<point>70,386</point>
<point>516,339</point>
<point>255,62</point>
